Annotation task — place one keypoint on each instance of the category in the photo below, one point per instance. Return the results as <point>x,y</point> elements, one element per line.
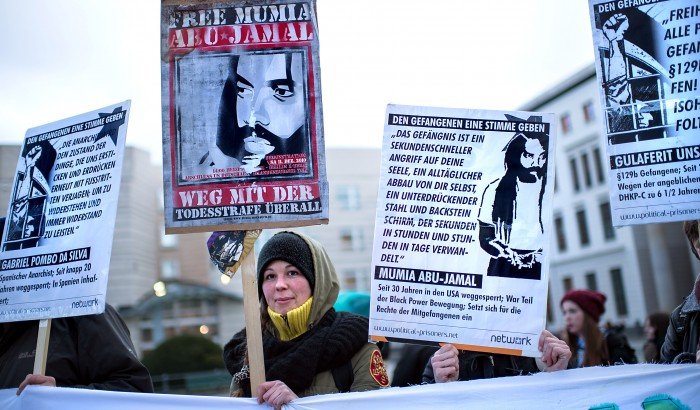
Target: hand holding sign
<point>555,352</point>
<point>445,364</point>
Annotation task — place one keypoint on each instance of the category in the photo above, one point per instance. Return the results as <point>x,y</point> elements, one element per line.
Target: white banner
<point>57,241</point>
<point>462,228</point>
<point>616,387</point>
<point>648,66</point>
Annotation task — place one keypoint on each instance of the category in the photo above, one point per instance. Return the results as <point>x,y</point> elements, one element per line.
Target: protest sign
<point>242,121</point>
<point>57,240</point>
<point>648,67</point>
<point>462,229</point>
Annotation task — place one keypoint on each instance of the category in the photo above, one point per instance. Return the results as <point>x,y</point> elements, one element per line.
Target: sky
<point>63,58</point>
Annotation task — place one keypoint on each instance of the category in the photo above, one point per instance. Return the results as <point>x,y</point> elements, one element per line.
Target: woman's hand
<point>275,393</point>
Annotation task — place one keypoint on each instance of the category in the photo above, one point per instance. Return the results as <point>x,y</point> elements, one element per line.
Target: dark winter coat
<point>681,344</point>
<point>91,352</point>
<point>409,369</point>
<point>475,365</point>
<point>619,348</point>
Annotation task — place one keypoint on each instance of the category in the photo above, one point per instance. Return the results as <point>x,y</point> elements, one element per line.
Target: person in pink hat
<point>590,346</point>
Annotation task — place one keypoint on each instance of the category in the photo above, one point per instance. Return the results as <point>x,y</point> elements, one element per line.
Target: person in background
<point>655,327</point>
<point>589,345</point>
<point>682,343</point>
<point>309,348</point>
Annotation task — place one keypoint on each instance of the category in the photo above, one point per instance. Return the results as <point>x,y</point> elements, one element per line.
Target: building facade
<point>178,307</point>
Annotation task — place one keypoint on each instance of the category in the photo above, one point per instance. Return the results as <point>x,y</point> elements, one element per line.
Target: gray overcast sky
<point>63,58</point>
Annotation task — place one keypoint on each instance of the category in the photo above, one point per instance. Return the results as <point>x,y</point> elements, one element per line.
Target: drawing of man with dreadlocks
<point>510,216</point>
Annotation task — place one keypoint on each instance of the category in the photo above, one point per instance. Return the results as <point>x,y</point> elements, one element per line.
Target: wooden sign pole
<point>251,307</point>
<point>42,346</point>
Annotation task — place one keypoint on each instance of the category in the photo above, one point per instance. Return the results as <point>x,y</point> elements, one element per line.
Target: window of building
<point>618,291</point>
<point>168,310</point>
<point>606,217</point>
<point>568,283</point>
<point>587,179</point>
<point>599,169</point>
<point>582,227</point>
<point>190,308</point>
<point>559,228</point>
<point>351,239</point>
<point>588,111</point>
<point>591,281</point>
<point>170,332</point>
<point>210,307</point>
<point>147,335</point>
<point>348,197</point>
<point>565,123</point>
<point>169,269</point>
<point>574,174</point>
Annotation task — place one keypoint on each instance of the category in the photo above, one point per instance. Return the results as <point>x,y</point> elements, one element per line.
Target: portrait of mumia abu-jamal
<point>263,111</point>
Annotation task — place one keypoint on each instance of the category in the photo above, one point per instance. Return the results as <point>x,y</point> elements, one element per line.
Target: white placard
<point>57,241</point>
<point>462,228</point>
<point>648,69</point>
<point>243,141</point>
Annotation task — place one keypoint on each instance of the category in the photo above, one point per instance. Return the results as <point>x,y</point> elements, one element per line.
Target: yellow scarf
<point>292,324</point>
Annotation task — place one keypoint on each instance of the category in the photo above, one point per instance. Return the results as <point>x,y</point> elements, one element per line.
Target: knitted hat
<point>590,301</point>
<point>290,248</point>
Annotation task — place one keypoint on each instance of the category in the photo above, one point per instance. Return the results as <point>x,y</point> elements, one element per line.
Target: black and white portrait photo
<point>635,80</point>
<point>262,113</point>
<point>25,222</point>
<point>510,216</point>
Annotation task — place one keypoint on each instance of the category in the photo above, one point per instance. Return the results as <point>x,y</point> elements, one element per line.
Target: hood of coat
<point>327,286</point>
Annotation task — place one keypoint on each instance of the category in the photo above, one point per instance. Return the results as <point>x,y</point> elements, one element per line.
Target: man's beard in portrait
<point>530,175</point>
<point>232,144</point>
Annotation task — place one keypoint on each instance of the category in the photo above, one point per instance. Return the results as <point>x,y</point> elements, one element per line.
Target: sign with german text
<point>242,121</point>
<point>462,231</point>
<point>57,239</point>
<point>648,67</point>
